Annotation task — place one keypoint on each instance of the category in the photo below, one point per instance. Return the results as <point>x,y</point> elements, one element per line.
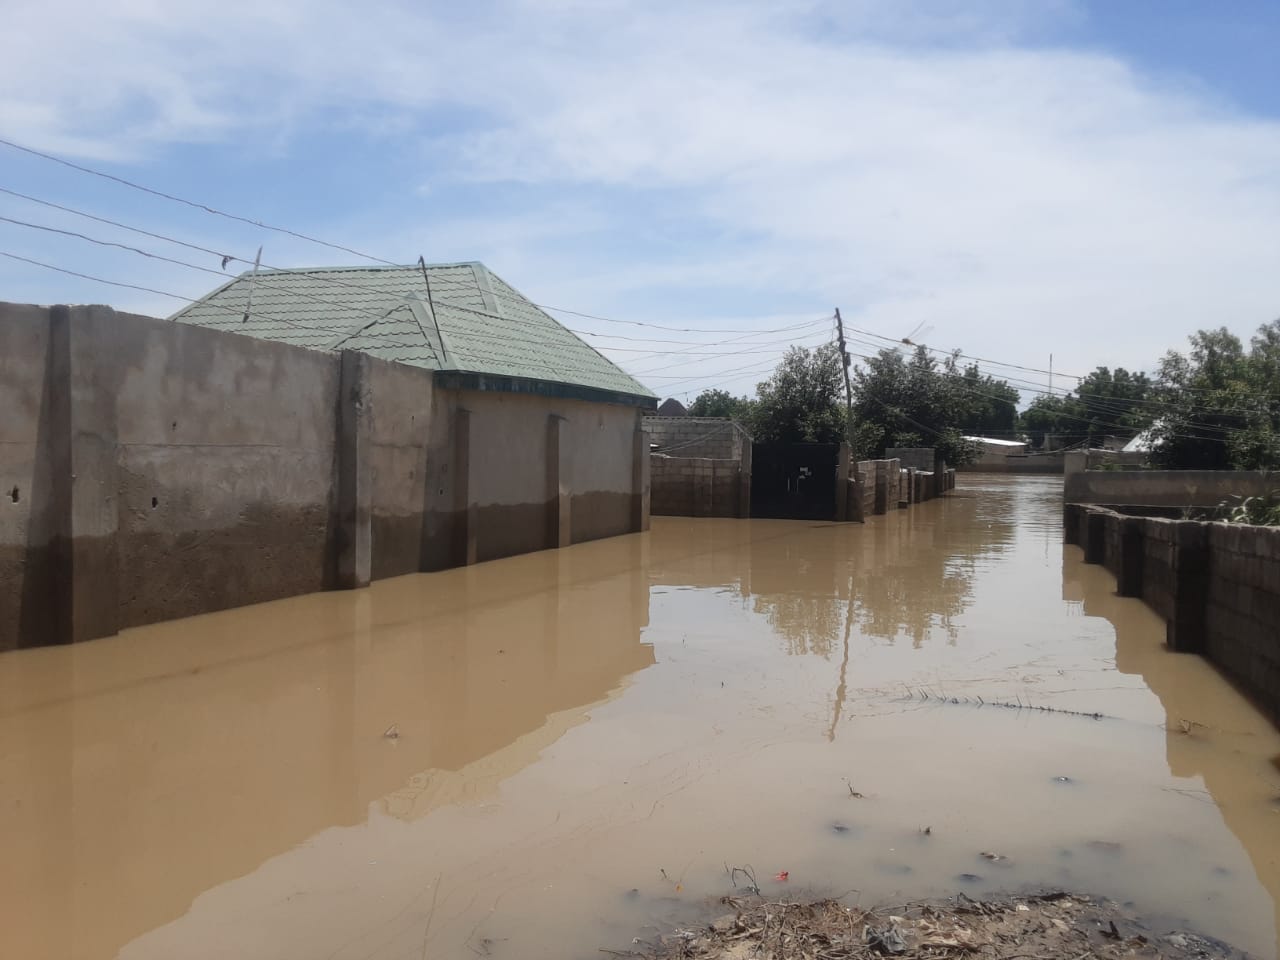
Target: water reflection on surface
<point>584,738</point>
<point>140,771</point>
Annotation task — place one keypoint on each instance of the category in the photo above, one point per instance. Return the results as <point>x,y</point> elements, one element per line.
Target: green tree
<point>720,403</point>
<point>1112,404</point>
<point>801,401</point>
<point>916,402</point>
<point>1218,406</point>
<point>1050,416</point>
<point>990,405</point>
<point>1105,404</point>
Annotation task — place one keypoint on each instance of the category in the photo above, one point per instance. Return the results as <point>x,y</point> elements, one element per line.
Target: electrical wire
<point>206,208</point>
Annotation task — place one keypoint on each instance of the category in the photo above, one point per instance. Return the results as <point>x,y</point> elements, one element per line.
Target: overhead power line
<point>207,208</point>
<point>690,350</point>
<point>194,204</point>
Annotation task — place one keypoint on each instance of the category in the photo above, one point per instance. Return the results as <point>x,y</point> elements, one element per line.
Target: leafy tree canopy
<point>922,402</point>
<point>720,403</point>
<point>1218,406</point>
<point>1105,404</point>
<point>801,401</point>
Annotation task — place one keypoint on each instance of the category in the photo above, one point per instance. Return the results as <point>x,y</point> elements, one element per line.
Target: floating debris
<point>1052,926</point>
<point>924,695</point>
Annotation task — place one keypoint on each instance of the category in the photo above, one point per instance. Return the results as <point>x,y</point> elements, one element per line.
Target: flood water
<point>546,755</point>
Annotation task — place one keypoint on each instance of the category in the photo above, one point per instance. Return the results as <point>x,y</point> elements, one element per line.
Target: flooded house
<point>295,431</point>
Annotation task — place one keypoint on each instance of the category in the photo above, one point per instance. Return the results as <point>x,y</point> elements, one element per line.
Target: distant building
<point>672,408</point>
<point>996,453</point>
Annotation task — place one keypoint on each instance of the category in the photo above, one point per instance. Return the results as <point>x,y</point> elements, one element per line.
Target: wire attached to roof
<point>444,353</point>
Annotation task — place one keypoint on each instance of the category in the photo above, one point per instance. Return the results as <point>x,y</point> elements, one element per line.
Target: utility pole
<point>1051,374</point>
<point>248,303</point>
<point>848,390</point>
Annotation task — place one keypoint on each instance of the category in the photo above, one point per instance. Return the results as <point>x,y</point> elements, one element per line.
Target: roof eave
<point>499,383</point>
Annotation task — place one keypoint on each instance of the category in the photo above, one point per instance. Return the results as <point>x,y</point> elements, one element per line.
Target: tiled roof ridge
<point>350,268</point>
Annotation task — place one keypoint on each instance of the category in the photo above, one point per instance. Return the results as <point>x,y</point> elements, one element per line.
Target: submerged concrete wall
<point>1174,488</point>
<point>1217,585</point>
<point>698,487</point>
<point>153,470</point>
<point>215,441</point>
<point>30,528</point>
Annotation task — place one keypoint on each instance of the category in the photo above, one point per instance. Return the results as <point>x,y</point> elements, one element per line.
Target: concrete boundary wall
<point>153,470</point>
<point>708,487</point>
<point>911,458</point>
<point>1172,488</point>
<point>1217,585</point>
<point>884,485</point>
<point>697,487</point>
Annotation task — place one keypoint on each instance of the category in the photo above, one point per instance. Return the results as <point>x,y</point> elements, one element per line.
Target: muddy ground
<point>1050,926</point>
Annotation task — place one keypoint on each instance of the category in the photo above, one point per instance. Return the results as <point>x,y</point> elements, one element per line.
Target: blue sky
<point>1091,180</point>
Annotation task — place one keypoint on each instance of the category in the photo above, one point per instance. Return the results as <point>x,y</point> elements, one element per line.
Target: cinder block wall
<point>713,438</point>
<point>1242,612</point>
<point>912,458</point>
<point>1175,488</point>
<point>1217,585</point>
<point>695,487</point>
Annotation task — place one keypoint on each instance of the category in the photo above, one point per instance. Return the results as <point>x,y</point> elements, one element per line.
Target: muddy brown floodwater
<point>545,755</point>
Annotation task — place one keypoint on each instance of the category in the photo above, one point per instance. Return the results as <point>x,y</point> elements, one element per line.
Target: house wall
<point>152,470</point>
<point>510,462</point>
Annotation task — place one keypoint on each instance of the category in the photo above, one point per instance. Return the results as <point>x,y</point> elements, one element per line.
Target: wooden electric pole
<point>848,390</point>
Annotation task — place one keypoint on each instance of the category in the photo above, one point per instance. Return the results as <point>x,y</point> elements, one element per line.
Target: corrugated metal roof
<point>472,322</point>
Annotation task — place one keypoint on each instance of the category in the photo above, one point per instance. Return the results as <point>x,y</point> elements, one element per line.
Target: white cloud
<point>1021,200</point>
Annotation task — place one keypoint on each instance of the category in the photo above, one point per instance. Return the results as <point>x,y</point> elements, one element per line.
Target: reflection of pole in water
<point>844,665</point>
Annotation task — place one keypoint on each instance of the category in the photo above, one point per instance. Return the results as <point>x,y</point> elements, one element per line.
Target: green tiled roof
<point>472,322</point>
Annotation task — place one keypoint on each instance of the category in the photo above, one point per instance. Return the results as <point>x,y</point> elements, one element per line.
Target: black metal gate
<point>794,481</point>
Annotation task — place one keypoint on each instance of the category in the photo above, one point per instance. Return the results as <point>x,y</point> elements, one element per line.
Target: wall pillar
<point>83,510</point>
<point>1095,537</point>
<point>559,499</point>
<point>354,539</point>
<point>856,508</point>
<point>744,479</point>
<point>1132,556</point>
<point>464,510</point>
<point>882,485</point>
<point>1185,632</point>
<point>640,481</point>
